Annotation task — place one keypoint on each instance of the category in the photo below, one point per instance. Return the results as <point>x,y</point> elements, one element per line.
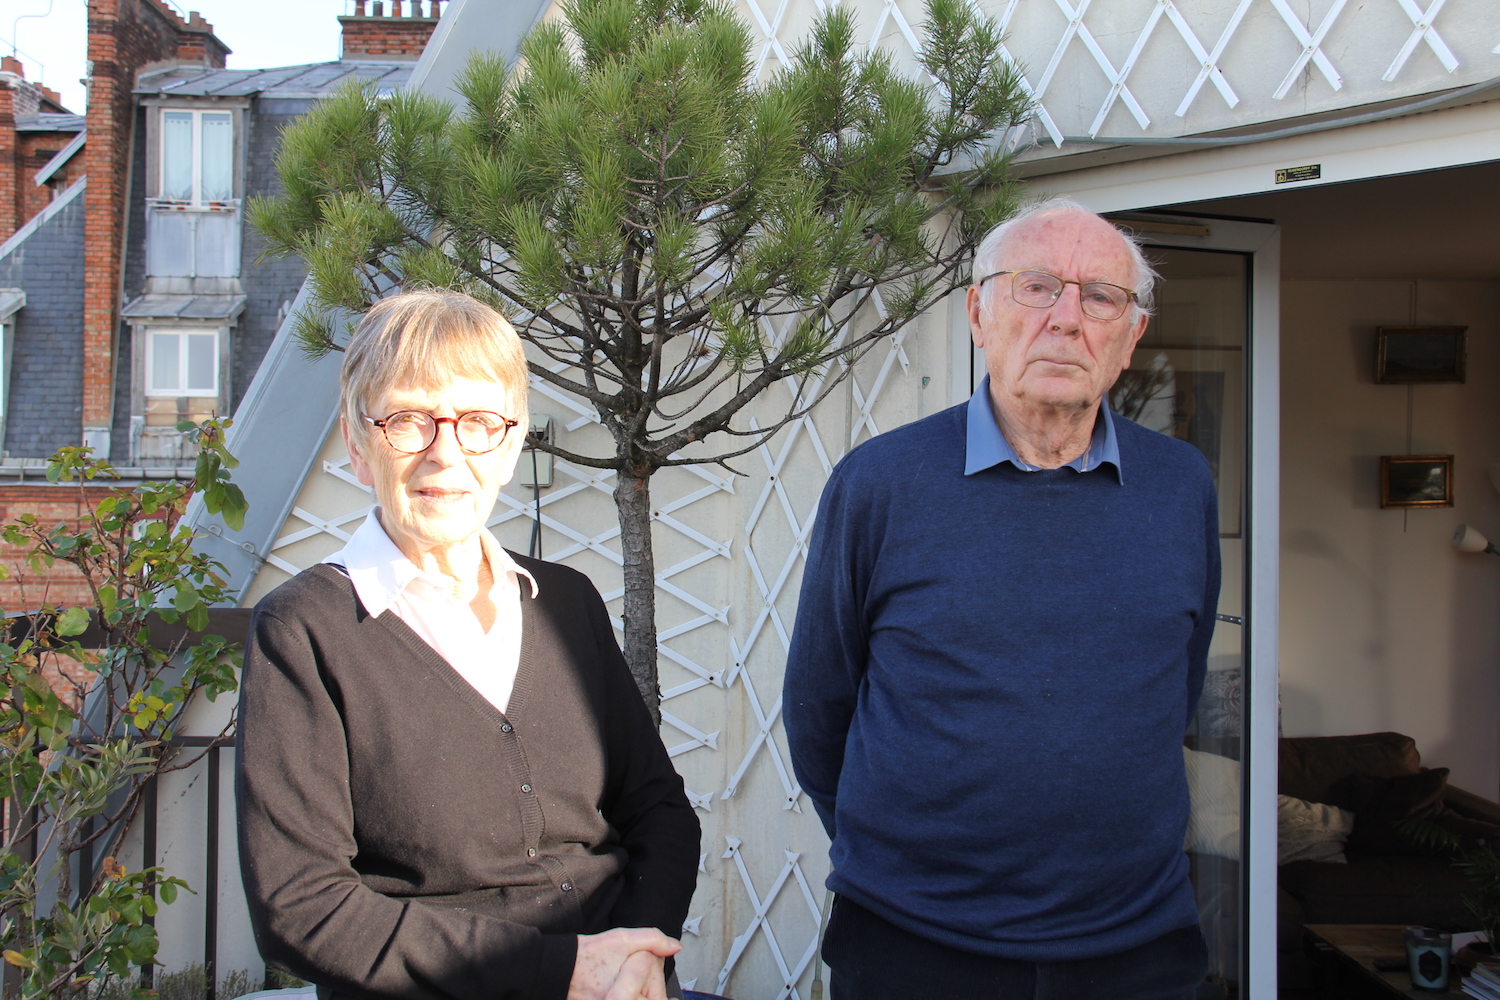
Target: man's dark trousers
<point>873,959</point>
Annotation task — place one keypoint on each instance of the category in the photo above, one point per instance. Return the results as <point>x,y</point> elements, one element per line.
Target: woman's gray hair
<point>424,339</point>
<point>992,250</point>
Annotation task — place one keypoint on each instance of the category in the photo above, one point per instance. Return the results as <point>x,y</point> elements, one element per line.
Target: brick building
<point>130,292</point>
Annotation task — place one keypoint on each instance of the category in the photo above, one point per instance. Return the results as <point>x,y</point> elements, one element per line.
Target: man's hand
<point>621,964</point>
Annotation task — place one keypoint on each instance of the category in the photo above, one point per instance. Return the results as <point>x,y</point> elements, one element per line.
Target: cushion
<point>1312,765</point>
<point>1310,831</point>
<point>1382,805</point>
<point>1214,786</point>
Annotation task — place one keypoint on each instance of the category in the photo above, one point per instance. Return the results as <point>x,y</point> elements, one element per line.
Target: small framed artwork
<point>1411,354</point>
<point>1416,481</point>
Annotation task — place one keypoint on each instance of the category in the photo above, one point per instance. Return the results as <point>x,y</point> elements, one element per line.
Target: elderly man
<point>1002,635</point>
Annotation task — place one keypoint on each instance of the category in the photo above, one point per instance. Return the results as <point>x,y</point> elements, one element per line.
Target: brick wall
<point>124,36</point>
<point>20,199</point>
<point>62,585</point>
<point>401,34</point>
<point>36,150</point>
<point>10,93</point>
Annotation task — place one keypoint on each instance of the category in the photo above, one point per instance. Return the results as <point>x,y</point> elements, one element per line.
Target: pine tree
<point>647,213</point>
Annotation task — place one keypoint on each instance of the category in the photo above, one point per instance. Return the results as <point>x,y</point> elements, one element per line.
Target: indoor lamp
<point>1469,539</point>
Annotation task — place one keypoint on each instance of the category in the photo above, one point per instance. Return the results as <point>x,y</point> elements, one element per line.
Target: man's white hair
<point>992,250</point>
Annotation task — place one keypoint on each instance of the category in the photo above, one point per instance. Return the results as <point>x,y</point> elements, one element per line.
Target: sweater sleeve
<point>310,911</point>
<point>1203,628</point>
<point>644,799</point>
<point>830,645</point>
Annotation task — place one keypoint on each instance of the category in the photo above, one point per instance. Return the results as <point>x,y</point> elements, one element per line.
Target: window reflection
<point>1187,380</point>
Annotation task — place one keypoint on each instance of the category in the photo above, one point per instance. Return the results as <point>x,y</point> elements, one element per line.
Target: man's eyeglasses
<point>412,431</point>
<point>1039,290</point>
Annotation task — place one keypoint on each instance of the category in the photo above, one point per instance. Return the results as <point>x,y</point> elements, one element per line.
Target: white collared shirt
<point>384,578</point>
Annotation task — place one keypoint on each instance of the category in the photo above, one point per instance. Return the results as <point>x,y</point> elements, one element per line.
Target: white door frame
<point>1262,242</point>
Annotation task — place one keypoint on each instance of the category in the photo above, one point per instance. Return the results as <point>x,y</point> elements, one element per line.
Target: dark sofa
<point>1388,880</point>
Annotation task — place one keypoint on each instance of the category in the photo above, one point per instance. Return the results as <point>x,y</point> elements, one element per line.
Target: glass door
<point>1187,380</point>
<point>1206,372</point>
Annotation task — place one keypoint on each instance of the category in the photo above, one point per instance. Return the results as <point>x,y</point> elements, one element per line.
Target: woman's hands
<point>621,964</point>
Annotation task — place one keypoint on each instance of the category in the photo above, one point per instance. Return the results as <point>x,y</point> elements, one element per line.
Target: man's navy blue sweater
<point>989,683</point>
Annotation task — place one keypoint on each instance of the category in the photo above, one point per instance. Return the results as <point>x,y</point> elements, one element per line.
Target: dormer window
<point>183,363</point>
<point>197,156</point>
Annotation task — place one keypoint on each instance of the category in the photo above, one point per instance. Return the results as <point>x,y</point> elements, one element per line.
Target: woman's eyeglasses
<point>413,431</point>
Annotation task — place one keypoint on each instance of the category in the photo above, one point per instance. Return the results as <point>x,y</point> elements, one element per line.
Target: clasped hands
<point>621,964</point>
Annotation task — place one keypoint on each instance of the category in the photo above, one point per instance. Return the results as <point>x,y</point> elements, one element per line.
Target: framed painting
<point>1408,481</point>
<point>1406,355</point>
<point>1195,395</point>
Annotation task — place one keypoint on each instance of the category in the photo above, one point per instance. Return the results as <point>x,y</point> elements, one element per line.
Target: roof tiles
<point>311,81</point>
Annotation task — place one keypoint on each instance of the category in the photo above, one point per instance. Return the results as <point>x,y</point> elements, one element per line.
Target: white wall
<point>1384,625</point>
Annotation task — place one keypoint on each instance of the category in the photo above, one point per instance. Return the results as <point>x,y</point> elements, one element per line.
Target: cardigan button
<point>526,788</point>
<point>531,852</point>
<point>506,727</point>
<point>567,887</point>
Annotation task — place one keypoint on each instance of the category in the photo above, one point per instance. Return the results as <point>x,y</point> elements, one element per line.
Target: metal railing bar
<point>211,880</point>
<point>148,860</point>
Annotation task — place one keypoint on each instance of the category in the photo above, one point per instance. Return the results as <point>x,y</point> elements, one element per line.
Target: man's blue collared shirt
<point>986,447</point>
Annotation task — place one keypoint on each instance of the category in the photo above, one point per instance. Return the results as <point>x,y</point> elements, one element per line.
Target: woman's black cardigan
<point>400,837</point>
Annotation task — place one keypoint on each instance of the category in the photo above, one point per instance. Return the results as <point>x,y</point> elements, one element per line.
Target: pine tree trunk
<point>633,502</point>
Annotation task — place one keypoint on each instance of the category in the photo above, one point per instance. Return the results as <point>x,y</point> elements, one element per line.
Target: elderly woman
<point>449,788</point>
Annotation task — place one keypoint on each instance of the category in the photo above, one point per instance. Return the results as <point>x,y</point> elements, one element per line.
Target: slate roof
<point>166,306</point>
<point>309,82</point>
<point>49,122</point>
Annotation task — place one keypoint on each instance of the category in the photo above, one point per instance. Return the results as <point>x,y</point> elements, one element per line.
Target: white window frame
<point>182,333</point>
<point>12,303</point>
<point>197,200</point>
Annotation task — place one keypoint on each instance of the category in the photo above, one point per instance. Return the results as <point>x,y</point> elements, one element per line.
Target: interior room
<point>1385,627</point>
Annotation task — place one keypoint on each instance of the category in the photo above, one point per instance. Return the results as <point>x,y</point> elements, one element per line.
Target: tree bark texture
<point>633,502</point>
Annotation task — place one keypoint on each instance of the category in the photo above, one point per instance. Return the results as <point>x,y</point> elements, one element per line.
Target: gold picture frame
<point>1408,481</point>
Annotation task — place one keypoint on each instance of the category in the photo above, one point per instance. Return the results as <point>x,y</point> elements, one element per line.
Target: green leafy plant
<point>1476,859</point>
<point>671,236</point>
<point>73,769</point>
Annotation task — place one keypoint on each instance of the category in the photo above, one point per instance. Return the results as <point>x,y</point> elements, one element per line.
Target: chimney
<point>10,151</point>
<point>53,98</point>
<point>196,42</point>
<point>10,64</point>
<point>397,36</point>
<point>124,36</point>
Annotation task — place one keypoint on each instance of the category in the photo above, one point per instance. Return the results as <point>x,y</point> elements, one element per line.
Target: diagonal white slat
<point>768,27</point>
<point>1077,29</point>
<point>1117,82</point>
<point>760,923</point>
<point>1053,132</point>
<point>699,738</point>
<point>1209,69</point>
<point>1422,31</point>
<point>890,12</point>
<point>318,526</point>
<point>1311,46</point>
